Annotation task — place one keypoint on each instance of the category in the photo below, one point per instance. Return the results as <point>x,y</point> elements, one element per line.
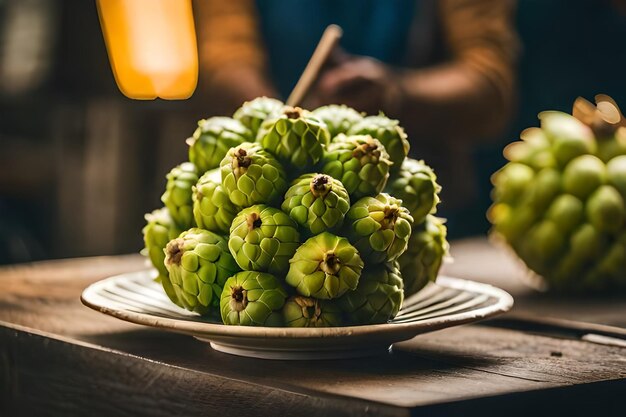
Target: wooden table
<point>59,358</point>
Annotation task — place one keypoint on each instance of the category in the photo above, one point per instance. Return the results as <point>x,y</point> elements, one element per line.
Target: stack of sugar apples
<point>560,200</point>
<point>285,217</point>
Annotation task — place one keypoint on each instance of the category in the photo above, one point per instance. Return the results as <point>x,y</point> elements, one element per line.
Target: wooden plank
<point>448,367</point>
<point>556,326</point>
<point>600,398</point>
<point>407,379</point>
<point>520,355</point>
<point>479,260</point>
<point>46,376</point>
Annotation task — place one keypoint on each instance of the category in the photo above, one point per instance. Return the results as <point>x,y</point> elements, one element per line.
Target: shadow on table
<point>185,351</point>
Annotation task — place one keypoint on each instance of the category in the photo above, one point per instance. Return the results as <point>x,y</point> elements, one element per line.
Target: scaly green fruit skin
<point>213,138</point>
<point>263,238</point>
<point>302,311</point>
<point>253,298</point>
<point>567,212</point>
<point>250,175</point>
<point>158,231</point>
<point>583,174</point>
<point>616,173</point>
<point>424,255</point>
<point>511,182</point>
<point>612,146</point>
<point>533,150</point>
<point>511,221</point>
<point>254,112</point>
<point>378,297</point>
<point>379,227</point>
<point>416,185</point>
<point>325,267</point>
<point>199,263</point>
<point>212,209</point>
<point>317,202</point>
<point>560,202</point>
<point>177,195</point>
<point>339,118</point>
<point>605,209</point>
<point>542,245</point>
<point>389,133</point>
<point>569,137</point>
<point>602,276</point>
<point>296,137</point>
<point>361,163</point>
<point>547,184</point>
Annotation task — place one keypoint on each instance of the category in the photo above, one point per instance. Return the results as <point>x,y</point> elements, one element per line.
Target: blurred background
<point>80,163</point>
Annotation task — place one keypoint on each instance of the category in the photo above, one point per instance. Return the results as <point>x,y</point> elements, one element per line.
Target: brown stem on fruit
<point>391,215</point>
<point>238,298</point>
<point>293,112</point>
<point>369,148</point>
<point>321,185</point>
<point>174,251</point>
<point>254,221</point>
<point>310,308</point>
<point>331,263</point>
<point>241,160</point>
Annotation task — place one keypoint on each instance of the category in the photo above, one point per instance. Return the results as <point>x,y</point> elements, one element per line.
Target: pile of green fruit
<point>285,217</point>
<point>559,202</point>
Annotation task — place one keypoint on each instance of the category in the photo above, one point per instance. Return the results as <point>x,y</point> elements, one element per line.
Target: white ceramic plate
<point>136,298</point>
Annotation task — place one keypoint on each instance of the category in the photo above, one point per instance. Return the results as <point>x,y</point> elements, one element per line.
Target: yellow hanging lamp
<point>151,46</point>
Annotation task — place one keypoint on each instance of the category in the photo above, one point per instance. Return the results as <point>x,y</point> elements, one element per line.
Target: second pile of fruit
<point>560,201</point>
<point>285,217</point>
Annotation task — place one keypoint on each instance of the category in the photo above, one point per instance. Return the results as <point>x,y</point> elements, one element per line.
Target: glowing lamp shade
<point>151,46</point>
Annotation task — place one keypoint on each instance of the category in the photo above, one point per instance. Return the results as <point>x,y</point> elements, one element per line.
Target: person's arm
<point>470,95</point>
<point>232,58</point>
<point>474,93</point>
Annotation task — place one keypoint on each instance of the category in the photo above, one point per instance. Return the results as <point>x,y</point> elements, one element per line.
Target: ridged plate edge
<point>504,302</point>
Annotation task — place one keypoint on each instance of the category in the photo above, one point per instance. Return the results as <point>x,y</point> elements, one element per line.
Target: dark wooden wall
<point>79,162</point>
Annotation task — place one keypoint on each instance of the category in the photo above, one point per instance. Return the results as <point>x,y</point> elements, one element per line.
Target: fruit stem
<point>310,308</point>
<point>174,251</point>
<point>238,298</point>
<point>391,215</point>
<point>320,185</point>
<point>241,159</point>
<point>313,312</point>
<point>368,148</point>
<point>331,263</point>
<point>293,112</point>
<point>254,221</point>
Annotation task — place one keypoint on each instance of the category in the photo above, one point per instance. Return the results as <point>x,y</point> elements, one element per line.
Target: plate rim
<point>205,329</point>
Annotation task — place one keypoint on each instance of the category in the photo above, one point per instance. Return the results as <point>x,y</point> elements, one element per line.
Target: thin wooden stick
<point>329,39</point>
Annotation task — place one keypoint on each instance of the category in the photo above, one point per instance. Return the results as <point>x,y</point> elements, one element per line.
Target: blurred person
<point>445,69</point>
<point>571,48</point>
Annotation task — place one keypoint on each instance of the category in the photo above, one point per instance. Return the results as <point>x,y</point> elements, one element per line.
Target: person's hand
<point>363,83</point>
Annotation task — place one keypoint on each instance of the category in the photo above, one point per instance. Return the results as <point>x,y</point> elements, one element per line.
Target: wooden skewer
<point>329,39</point>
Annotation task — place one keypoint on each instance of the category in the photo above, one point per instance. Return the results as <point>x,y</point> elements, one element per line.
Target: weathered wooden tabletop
<point>59,358</point>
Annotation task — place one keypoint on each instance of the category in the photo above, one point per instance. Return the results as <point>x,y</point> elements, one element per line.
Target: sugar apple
<point>560,201</point>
